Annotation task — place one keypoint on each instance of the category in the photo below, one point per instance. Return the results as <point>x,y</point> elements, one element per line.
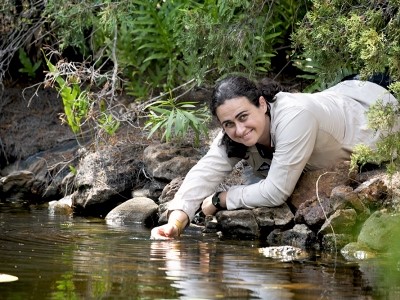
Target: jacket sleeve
<point>296,134</point>
<point>202,180</point>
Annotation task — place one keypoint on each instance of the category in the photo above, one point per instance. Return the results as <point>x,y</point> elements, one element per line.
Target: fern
<point>28,67</point>
<point>175,119</point>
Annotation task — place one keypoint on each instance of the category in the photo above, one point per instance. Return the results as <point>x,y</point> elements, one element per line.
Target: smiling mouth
<point>248,133</point>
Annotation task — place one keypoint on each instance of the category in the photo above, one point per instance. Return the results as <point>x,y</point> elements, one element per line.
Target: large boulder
<point>140,210</point>
<point>42,176</point>
<point>106,178</point>
<point>380,231</point>
<point>320,181</point>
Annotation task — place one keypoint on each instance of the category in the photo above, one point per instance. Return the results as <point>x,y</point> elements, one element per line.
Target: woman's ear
<point>263,104</point>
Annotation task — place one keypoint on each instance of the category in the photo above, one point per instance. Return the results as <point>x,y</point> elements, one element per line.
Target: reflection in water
<point>77,258</point>
<point>208,273</point>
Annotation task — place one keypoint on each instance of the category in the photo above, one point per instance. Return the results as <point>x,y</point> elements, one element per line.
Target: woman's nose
<point>240,128</point>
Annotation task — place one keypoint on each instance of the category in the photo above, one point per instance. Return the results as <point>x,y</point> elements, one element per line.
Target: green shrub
<point>236,36</point>
<point>362,37</point>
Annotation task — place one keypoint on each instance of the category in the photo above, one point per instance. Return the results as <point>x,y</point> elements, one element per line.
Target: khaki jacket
<point>308,131</point>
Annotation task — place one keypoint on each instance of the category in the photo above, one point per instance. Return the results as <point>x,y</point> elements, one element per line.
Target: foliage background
<point>156,51</point>
<point>357,37</point>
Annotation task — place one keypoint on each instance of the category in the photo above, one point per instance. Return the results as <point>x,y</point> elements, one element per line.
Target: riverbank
<point>128,178</point>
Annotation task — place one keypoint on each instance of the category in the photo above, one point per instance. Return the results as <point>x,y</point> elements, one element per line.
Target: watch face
<point>215,200</point>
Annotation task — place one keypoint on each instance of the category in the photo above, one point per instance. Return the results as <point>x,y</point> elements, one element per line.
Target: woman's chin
<point>248,143</point>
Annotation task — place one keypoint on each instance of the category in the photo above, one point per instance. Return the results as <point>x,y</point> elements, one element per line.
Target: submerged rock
<point>284,253</point>
<point>357,251</point>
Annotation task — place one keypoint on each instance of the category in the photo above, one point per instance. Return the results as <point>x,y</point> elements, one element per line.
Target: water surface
<point>61,257</point>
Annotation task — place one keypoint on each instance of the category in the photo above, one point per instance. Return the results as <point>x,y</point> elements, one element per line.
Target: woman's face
<point>244,122</point>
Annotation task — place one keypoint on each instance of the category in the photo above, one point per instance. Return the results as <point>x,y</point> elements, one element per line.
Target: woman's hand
<point>164,232</point>
<point>176,223</point>
<point>209,208</point>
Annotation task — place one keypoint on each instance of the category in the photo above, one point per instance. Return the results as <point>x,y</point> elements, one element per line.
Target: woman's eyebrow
<point>240,113</point>
<point>236,117</point>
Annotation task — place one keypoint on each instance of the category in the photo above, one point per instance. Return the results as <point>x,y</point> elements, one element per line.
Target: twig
<point>319,201</point>
<point>115,68</point>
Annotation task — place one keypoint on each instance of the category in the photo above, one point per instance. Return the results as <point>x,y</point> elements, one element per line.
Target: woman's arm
<point>200,182</point>
<point>203,179</point>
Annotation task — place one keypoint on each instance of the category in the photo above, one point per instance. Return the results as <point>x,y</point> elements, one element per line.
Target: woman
<point>280,136</point>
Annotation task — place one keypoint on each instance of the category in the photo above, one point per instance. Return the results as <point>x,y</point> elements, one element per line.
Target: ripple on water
<point>64,258</point>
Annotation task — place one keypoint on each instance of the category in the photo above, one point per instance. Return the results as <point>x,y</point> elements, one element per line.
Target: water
<point>60,257</point>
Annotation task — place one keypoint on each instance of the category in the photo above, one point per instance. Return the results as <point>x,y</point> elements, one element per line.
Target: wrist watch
<point>216,201</point>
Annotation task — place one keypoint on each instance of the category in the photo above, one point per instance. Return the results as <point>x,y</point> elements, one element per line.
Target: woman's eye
<point>243,118</point>
<point>228,125</point>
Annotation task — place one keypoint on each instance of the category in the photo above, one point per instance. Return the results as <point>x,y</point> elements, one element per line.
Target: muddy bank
<point>29,123</point>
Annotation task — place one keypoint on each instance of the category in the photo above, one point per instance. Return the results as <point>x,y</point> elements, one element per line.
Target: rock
<point>61,207</point>
<point>372,193</point>
<point>341,221</point>
<point>380,231</point>
<point>333,242</point>
<point>17,185</point>
<point>50,168</point>
<point>166,161</point>
<point>299,236</point>
<point>238,223</point>
<point>314,212</point>
<point>275,237</point>
<point>210,224</point>
<point>345,197</point>
<point>170,190</point>
<point>137,210</point>
<point>357,251</point>
<point>327,179</point>
<point>167,195</point>
<point>155,188</point>
<point>105,178</point>
<point>270,218</point>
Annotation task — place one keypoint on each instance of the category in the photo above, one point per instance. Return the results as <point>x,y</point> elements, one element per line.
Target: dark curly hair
<point>239,86</point>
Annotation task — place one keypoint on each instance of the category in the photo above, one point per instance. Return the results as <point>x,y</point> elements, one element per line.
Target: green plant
<point>108,123</point>
<point>28,67</point>
<point>311,70</point>
<point>382,118</point>
<point>78,104</point>
<point>359,35</point>
<point>362,37</point>
<point>147,49</point>
<point>156,46</point>
<point>235,36</point>
<point>72,169</point>
<point>175,119</point>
